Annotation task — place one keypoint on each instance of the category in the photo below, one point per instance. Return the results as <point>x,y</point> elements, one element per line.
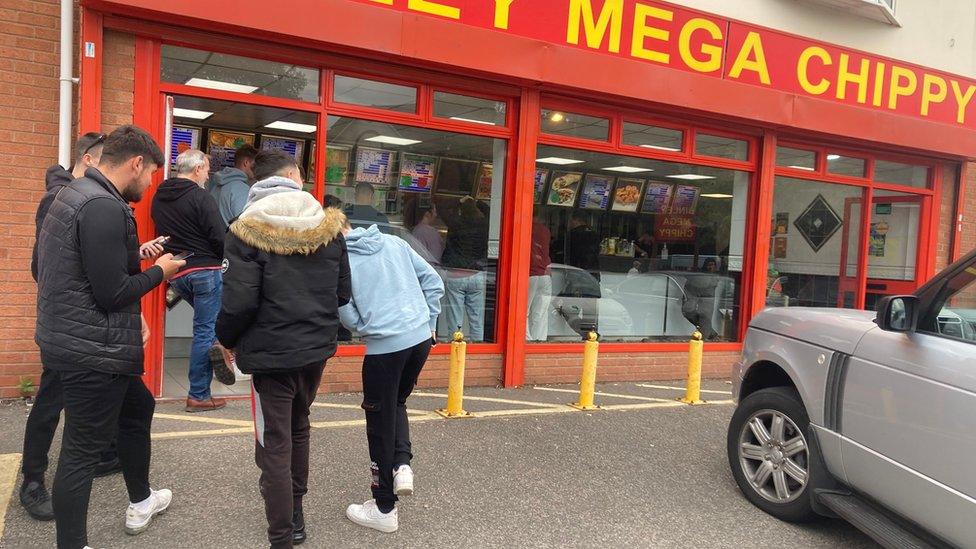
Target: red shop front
<point>685,169</point>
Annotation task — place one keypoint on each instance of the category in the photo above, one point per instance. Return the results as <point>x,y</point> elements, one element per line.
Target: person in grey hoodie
<point>395,301</point>
<point>230,186</point>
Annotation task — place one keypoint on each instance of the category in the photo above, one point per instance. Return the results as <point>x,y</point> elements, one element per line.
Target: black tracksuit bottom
<point>388,379</point>
<point>97,408</point>
<point>280,403</point>
<point>42,422</point>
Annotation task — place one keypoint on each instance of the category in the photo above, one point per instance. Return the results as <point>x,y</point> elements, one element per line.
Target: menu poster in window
<point>336,164</point>
<point>782,225</point>
<point>657,197</point>
<point>541,174</point>
<point>596,191</point>
<point>564,188</point>
<point>626,196</point>
<point>483,190</point>
<point>184,139</point>
<point>221,146</point>
<point>374,165</point>
<point>685,199</point>
<point>291,147</point>
<point>456,176</point>
<point>417,172</point>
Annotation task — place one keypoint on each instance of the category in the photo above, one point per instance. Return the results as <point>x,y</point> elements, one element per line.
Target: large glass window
<point>439,191</point>
<point>573,124</point>
<point>464,108</point>
<point>813,255</point>
<point>373,93</point>
<point>219,71</point>
<point>637,249</point>
<point>721,147</point>
<point>653,137</point>
<point>901,174</point>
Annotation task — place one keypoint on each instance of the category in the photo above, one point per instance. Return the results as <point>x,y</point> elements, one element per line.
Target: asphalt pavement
<point>527,471</point>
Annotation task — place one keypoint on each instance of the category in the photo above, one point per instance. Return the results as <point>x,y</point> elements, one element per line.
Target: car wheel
<point>769,453</point>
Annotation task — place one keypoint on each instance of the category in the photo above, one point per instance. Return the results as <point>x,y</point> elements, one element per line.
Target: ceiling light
<point>472,120</point>
<point>661,148</point>
<point>559,161</point>
<point>807,168</point>
<point>557,117</point>
<point>190,113</point>
<point>291,126</point>
<point>833,157</point>
<point>691,176</point>
<point>390,140</point>
<point>218,85</point>
<point>716,195</point>
<point>628,169</point>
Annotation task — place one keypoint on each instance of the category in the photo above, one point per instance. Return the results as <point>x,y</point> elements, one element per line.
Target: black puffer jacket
<point>55,179</point>
<point>188,214</point>
<point>287,274</point>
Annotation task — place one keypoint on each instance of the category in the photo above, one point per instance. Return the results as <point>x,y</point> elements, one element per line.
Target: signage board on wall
<point>183,139</point>
<point>374,165</point>
<point>596,191</point>
<point>291,147</point>
<point>222,145</point>
<point>417,172</point>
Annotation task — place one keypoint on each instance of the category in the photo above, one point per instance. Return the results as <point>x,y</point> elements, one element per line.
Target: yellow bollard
<point>693,391</point>
<point>591,348</point>
<point>455,383</point>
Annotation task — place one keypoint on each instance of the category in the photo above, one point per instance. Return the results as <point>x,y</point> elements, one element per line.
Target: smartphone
<point>182,255</point>
<point>162,240</point>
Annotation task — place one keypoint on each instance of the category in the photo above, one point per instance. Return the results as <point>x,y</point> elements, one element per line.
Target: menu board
<point>657,197</point>
<point>685,199</point>
<point>483,188</point>
<point>564,188</point>
<point>627,195</point>
<point>221,146</point>
<point>291,147</point>
<point>541,174</point>
<point>374,165</point>
<point>455,176</point>
<point>183,139</point>
<point>417,172</point>
<point>596,191</point>
<point>336,164</point>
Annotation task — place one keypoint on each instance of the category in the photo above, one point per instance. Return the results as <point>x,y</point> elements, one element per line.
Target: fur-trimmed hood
<point>288,223</point>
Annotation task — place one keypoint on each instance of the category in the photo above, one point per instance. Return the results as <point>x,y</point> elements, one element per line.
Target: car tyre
<point>769,453</point>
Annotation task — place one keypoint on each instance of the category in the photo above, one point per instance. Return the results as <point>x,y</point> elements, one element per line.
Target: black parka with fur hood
<point>286,273</point>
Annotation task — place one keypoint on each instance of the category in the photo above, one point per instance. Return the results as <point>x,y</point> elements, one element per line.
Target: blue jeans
<point>201,289</point>
<point>466,297</point>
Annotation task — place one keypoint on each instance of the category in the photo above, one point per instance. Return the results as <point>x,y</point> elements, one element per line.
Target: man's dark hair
<point>88,143</point>
<point>364,188</point>
<point>128,142</point>
<point>244,152</point>
<point>270,163</point>
<point>333,201</point>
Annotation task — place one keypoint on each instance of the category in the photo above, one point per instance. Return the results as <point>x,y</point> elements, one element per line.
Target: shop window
<point>846,165</point>
<point>893,242</point>
<point>721,147</point>
<point>375,94</point>
<point>653,137</point>
<point>233,73</point>
<point>813,255</point>
<point>439,191</point>
<point>637,249</point>
<point>464,108</point>
<point>901,174</point>
<point>572,124</point>
<point>798,159</point>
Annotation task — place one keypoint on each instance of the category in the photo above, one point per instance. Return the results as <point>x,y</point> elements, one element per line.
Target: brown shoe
<point>208,405</point>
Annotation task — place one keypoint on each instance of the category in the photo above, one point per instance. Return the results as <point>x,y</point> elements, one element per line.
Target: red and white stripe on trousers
<point>257,415</point>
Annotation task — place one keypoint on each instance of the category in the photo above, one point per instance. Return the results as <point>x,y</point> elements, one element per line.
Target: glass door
<point>892,259</point>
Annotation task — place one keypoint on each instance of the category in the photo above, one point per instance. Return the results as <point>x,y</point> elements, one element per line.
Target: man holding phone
<point>188,215</point>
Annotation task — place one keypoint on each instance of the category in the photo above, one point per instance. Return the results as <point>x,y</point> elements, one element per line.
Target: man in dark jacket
<point>287,275</point>
<point>363,213</point>
<point>465,258</point>
<point>90,330</point>
<point>188,214</point>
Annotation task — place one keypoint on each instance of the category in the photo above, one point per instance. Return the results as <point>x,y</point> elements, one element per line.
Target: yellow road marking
<point>650,386</point>
<point>9,465</point>
<point>500,400</point>
<point>614,395</point>
<point>357,407</point>
<point>205,433</point>
<point>212,420</point>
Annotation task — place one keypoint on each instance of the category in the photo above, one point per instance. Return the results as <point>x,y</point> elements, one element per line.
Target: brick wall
<point>968,237</point>
<point>118,79</point>
<point>946,212</point>
<point>343,374</point>
<point>625,367</point>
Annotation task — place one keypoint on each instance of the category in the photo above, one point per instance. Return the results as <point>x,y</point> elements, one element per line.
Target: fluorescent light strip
<point>660,148</point>
<point>805,168</point>
<point>558,161</point>
<point>628,169</point>
<point>291,126</point>
<point>833,157</point>
<point>472,120</point>
<point>716,195</point>
<point>190,113</point>
<point>390,140</point>
<point>691,176</point>
<point>218,85</point>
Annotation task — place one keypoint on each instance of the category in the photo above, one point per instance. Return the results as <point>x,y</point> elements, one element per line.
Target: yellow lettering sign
<point>387,2</point>
<point>611,18</point>
<point>904,83</point>
<point>502,9</point>
<point>803,70</point>
<point>434,8</point>
<point>962,100</point>
<point>751,58</point>
<point>879,80</point>
<point>712,52</point>
<point>845,77</point>
<point>934,90</point>
<point>643,31</point>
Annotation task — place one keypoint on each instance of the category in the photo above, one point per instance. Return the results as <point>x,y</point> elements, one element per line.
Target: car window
<point>956,307</point>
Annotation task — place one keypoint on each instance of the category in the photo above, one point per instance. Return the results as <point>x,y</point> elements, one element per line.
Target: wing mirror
<point>898,313</point>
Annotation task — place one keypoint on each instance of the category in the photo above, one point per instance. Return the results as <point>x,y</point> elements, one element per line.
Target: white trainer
<point>403,481</point>
<point>138,519</point>
<point>369,515</point>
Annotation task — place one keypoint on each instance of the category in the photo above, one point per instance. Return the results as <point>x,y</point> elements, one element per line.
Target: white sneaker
<point>369,515</point>
<point>137,519</point>
<point>403,481</point>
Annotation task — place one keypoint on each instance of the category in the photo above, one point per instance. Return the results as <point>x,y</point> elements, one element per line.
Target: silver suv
<point>867,416</point>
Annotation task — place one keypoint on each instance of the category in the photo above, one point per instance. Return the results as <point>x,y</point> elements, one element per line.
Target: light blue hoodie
<point>396,295</point>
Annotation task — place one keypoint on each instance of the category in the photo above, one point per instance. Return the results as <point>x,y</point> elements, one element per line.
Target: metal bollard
<point>455,383</point>
<point>693,390</point>
<point>591,348</point>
